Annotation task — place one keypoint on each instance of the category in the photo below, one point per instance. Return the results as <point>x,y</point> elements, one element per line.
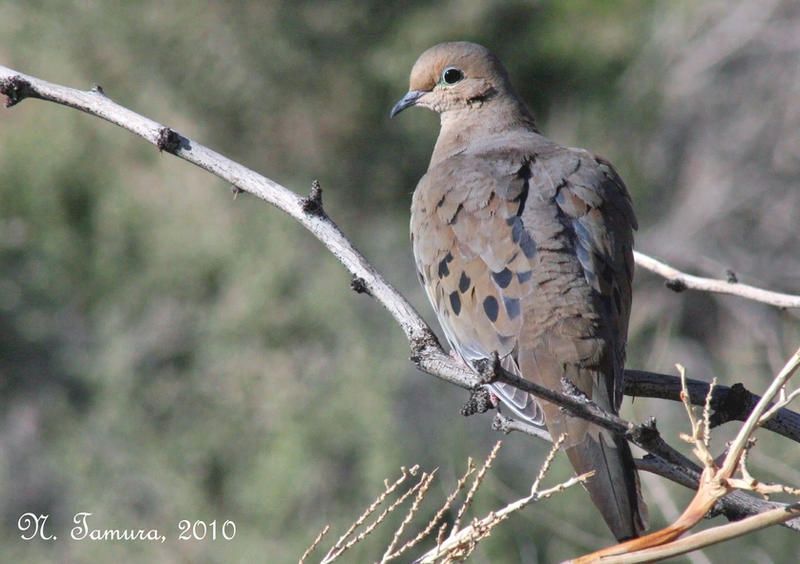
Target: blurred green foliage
<point>169,352</point>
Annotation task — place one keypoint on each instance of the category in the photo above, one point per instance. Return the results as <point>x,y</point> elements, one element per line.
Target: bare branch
<point>425,483</point>
<point>462,542</point>
<point>345,542</point>
<point>646,436</point>
<point>712,536</point>
<point>476,483</point>
<point>679,281</point>
<point>436,519</point>
<point>314,544</point>
<point>427,354</point>
<point>754,420</point>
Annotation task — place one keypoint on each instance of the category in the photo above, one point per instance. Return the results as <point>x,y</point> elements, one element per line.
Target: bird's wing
<point>583,214</point>
<point>580,214</point>
<point>475,258</point>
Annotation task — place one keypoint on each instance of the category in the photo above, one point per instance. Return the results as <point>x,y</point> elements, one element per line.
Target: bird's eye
<point>451,75</point>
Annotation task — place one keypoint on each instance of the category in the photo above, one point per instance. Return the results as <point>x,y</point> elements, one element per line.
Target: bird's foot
<point>480,400</point>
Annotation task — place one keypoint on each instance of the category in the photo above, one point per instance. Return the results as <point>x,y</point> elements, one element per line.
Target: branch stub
<point>16,89</point>
<point>359,286</point>
<point>488,368</point>
<point>170,140</point>
<point>480,401</point>
<point>312,204</point>
<point>676,285</point>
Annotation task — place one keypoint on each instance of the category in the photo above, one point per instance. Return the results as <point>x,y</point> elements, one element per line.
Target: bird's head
<point>455,76</point>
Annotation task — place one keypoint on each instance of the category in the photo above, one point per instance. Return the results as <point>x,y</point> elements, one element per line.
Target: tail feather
<point>614,487</point>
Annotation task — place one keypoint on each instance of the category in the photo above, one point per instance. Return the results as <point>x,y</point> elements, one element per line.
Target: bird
<point>525,250</point>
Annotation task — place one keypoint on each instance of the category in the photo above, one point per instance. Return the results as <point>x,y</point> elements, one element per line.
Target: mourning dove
<point>524,248</point>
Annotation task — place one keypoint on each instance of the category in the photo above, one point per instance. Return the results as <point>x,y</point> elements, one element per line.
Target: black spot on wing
<point>527,245</point>
<point>463,282</point>
<point>512,307</point>
<point>455,302</point>
<point>492,308</point>
<point>444,270</point>
<point>454,219</point>
<point>521,237</point>
<point>517,228</point>
<point>525,174</point>
<point>524,276</point>
<point>503,278</point>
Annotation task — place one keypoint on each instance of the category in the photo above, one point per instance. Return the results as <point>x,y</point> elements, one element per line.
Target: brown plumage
<point>524,248</point>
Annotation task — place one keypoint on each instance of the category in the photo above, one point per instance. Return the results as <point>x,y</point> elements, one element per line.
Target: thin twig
<point>439,514</point>
<point>461,542</point>
<point>314,544</point>
<point>706,412</point>
<point>425,483</point>
<point>547,463</point>
<point>709,537</point>
<point>388,489</point>
<point>738,444</point>
<point>341,546</point>
<point>680,281</point>
<point>699,437</point>
<point>784,400</point>
<point>476,482</point>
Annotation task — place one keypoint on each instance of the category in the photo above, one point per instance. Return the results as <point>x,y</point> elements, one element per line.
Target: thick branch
<point>732,403</point>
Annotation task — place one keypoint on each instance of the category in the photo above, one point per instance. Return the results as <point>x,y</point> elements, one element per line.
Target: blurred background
<point>168,352</point>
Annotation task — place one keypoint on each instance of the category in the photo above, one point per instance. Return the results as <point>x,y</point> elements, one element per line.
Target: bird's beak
<point>410,99</point>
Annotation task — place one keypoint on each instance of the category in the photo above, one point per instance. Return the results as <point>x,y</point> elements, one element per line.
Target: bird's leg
<point>481,399</point>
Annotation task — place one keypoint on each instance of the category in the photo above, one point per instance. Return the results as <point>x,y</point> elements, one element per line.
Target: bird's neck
<point>462,127</point>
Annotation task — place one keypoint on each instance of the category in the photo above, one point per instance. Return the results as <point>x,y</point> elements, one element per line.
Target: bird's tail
<point>614,487</point>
